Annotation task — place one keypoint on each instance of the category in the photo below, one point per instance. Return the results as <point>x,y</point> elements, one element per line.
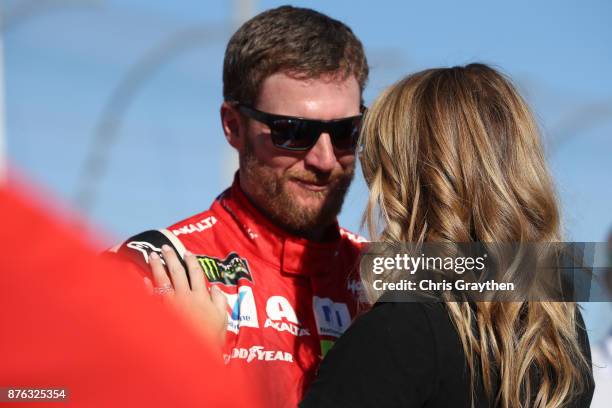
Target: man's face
<point>299,190</point>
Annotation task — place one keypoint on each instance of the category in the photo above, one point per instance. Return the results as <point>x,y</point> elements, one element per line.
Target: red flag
<point>70,320</point>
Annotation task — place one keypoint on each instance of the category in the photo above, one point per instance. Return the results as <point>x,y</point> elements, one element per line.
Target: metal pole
<point>242,10</point>
<point>16,15</point>
<point>109,124</point>
<point>3,144</point>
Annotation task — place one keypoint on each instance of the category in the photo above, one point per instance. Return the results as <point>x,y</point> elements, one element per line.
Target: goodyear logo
<point>227,271</point>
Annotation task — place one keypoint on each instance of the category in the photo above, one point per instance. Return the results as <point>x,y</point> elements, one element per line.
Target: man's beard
<point>273,198</point>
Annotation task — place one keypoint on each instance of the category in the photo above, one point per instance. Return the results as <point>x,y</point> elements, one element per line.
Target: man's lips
<point>308,185</point>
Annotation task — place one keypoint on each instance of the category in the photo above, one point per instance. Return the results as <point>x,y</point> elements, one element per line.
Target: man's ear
<point>232,126</point>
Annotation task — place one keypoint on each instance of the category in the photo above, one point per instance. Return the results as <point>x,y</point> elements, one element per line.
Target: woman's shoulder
<point>399,314</point>
<point>409,321</point>
<point>403,328</point>
<point>396,354</point>
<point>383,359</point>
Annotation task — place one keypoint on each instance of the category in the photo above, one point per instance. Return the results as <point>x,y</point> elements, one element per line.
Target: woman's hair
<point>453,155</point>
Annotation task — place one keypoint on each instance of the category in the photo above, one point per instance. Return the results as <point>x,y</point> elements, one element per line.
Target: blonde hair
<point>453,155</point>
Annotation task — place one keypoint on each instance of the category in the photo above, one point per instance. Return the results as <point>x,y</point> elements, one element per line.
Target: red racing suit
<point>288,298</point>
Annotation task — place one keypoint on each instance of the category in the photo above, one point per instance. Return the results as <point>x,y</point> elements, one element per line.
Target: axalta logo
<point>282,317</point>
<point>241,309</point>
<point>332,318</point>
<point>204,224</point>
<point>227,271</point>
<point>258,353</point>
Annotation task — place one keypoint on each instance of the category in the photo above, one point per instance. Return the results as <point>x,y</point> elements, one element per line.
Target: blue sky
<point>169,158</point>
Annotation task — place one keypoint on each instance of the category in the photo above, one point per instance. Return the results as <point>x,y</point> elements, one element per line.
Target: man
<point>292,82</point>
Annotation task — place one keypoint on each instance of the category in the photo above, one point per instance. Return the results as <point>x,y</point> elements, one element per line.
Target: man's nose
<point>321,156</point>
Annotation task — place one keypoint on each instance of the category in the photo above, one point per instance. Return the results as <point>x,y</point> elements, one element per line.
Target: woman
<point>453,155</point>
<point>450,156</point>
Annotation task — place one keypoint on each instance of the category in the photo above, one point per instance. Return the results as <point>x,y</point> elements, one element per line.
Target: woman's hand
<point>204,310</point>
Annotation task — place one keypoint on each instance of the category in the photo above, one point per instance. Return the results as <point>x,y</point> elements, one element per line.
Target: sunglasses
<point>293,133</point>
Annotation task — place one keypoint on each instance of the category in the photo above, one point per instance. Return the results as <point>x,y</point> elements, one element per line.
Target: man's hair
<point>298,41</point>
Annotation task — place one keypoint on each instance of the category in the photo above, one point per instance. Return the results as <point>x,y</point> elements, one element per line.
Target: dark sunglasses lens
<point>292,134</point>
<point>345,134</point>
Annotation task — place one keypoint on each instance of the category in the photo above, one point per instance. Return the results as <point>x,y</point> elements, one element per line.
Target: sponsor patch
<point>258,353</point>
<point>357,289</point>
<point>202,225</point>
<point>326,345</point>
<point>332,318</point>
<point>145,248</point>
<point>287,327</point>
<point>139,247</point>
<point>241,309</point>
<point>227,271</point>
<point>282,317</point>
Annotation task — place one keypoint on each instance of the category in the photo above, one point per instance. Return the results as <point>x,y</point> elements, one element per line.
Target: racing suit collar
<point>294,255</point>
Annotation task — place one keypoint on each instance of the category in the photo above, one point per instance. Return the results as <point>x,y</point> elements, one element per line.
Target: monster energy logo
<point>227,271</point>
